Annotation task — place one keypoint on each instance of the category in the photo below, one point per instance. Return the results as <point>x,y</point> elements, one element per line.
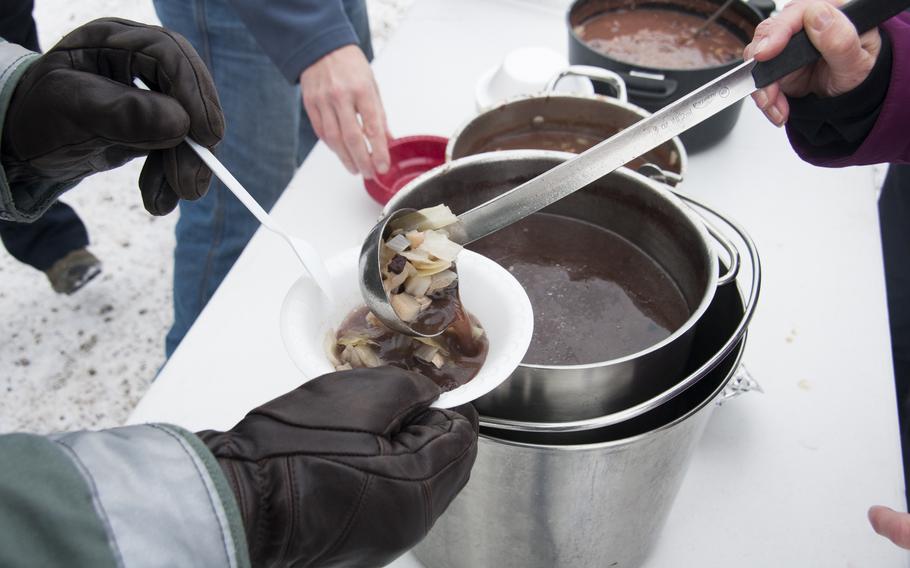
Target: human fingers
<point>332,136</point>
<point>352,136</point>
<point>891,525</point>
<point>375,127</point>
<point>772,34</point>
<point>849,59</point>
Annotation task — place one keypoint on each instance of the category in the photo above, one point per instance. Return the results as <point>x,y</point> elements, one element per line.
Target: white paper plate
<point>488,291</point>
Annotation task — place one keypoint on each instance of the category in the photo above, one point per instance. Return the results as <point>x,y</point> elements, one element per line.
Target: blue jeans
<point>267,137</point>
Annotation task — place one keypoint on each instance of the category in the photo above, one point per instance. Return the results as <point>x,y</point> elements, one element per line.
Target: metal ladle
<point>620,149</point>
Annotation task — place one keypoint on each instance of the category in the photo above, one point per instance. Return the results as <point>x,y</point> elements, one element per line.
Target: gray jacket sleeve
<point>148,495</point>
<point>297,33</point>
<point>14,60</point>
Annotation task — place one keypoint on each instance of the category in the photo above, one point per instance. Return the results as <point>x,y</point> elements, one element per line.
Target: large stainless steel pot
<point>595,117</point>
<point>632,206</point>
<point>596,498</point>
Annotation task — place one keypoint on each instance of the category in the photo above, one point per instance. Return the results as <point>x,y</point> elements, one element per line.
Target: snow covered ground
<point>84,361</point>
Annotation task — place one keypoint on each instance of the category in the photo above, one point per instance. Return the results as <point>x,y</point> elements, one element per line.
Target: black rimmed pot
<point>653,88</point>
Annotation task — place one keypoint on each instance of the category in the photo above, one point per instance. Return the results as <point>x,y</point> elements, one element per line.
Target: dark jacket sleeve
<point>870,125</point>
<point>297,33</point>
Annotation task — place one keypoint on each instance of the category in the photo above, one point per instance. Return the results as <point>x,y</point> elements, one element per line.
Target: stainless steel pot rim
<point>664,191</point>
<point>677,143</point>
<point>676,389</point>
<point>739,347</point>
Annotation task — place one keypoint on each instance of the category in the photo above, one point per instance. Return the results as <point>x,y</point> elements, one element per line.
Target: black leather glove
<point>351,469</point>
<point>76,112</point>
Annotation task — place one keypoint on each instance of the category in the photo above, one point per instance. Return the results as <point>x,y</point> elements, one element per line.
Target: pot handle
<point>717,235</point>
<point>655,172</point>
<point>649,86</point>
<point>741,383</point>
<point>595,74</point>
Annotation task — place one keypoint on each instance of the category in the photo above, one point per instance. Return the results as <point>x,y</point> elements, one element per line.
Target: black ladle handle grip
<point>864,14</point>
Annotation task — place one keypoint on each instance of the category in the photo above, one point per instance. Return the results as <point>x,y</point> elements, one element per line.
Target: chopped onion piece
<point>424,302</point>
<point>405,306</point>
<point>442,280</point>
<point>417,257</point>
<point>343,367</point>
<point>438,361</point>
<point>350,355</point>
<point>426,353</point>
<point>417,286</point>
<point>396,280</point>
<point>368,356</point>
<point>476,332</point>
<point>426,219</point>
<point>398,243</point>
<point>439,245</point>
<point>415,238</point>
<point>432,342</point>
<point>354,340</point>
<point>431,268</point>
<point>373,320</point>
<point>331,350</point>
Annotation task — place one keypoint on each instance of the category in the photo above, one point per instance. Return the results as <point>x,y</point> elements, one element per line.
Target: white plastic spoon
<point>305,252</point>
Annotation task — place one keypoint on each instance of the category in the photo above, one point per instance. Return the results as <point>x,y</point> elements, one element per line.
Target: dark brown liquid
<point>595,296</point>
<point>443,312</point>
<point>558,140</point>
<point>541,139</point>
<point>464,355</point>
<point>660,38</point>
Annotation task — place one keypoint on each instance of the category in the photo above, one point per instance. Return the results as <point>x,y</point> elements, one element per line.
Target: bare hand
<point>891,524</point>
<point>340,94</point>
<point>847,58</point>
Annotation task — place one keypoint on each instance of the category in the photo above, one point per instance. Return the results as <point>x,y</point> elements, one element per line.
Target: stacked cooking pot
<point>578,465</point>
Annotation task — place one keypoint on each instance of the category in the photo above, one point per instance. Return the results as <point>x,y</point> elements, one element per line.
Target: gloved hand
<point>75,112</point>
<point>351,469</point>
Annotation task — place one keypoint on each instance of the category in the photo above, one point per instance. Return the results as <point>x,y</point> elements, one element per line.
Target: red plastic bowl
<point>409,157</point>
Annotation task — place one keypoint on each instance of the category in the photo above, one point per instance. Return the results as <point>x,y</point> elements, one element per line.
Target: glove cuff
<point>14,62</point>
<point>244,479</point>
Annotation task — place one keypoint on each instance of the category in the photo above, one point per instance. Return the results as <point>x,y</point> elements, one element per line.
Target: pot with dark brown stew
<point>595,295</point>
<point>563,123</point>
<point>618,274</point>
<point>652,45</point>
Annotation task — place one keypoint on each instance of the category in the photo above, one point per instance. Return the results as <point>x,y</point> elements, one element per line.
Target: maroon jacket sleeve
<point>889,139</point>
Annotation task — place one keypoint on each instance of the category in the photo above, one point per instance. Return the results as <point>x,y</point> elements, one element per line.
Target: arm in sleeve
<point>148,495</point>
<point>297,33</point>
<point>868,125</point>
<point>14,61</point>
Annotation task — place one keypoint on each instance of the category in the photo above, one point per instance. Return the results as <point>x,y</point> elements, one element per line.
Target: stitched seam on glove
<point>265,413</point>
<point>292,518</point>
<point>170,35</point>
<point>349,524</point>
<point>427,505</point>
<point>130,143</point>
<point>454,461</point>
